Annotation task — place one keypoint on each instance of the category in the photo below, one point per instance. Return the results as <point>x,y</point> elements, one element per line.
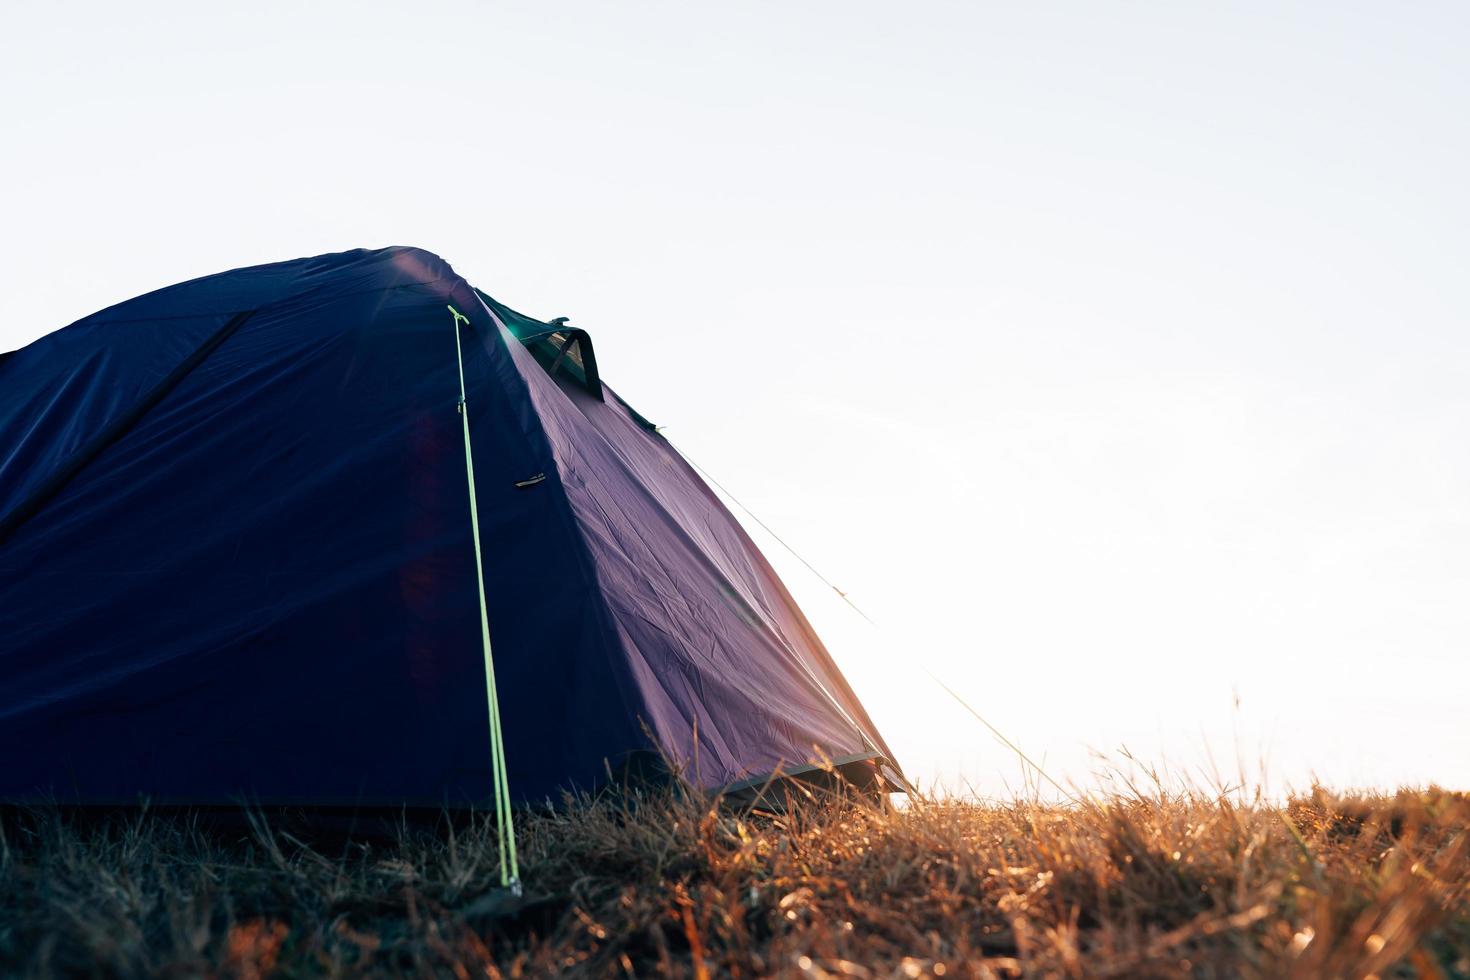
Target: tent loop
<point>509,868</point>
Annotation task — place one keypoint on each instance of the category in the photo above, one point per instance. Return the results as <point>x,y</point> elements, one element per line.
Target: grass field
<point>665,884</point>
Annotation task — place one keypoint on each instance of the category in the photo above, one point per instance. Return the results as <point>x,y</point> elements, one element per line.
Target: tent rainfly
<point>238,561</point>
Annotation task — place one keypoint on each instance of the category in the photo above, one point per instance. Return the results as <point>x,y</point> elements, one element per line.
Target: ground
<point>672,884</point>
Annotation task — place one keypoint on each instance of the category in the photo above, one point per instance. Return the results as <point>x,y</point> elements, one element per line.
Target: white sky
<point>1113,357</point>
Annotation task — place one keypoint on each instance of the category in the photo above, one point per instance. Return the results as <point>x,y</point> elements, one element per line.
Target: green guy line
<point>509,870</point>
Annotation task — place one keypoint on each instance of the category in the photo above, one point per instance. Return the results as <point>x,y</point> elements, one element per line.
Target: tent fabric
<point>236,562</point>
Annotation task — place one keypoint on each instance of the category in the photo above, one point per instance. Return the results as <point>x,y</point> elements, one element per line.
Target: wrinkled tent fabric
<point>236,562</point>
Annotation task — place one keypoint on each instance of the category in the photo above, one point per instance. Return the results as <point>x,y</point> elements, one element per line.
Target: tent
<point>238,560</point>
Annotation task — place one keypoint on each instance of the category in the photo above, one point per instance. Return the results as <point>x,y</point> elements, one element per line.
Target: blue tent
<point>237,560</point>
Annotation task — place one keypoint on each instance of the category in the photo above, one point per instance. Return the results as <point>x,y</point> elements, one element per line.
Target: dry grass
<point>666,884</point>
